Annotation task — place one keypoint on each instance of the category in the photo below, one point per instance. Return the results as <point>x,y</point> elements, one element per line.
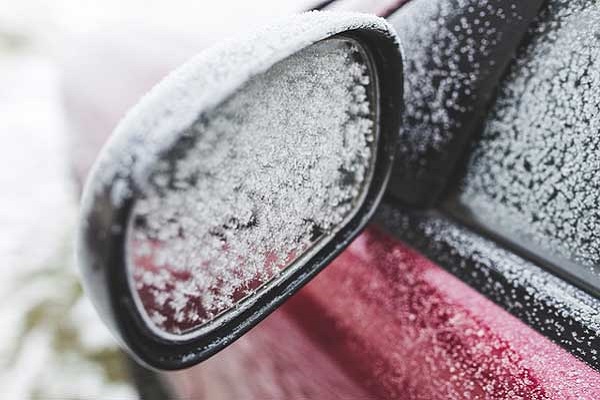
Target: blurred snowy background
<point>52,344</point>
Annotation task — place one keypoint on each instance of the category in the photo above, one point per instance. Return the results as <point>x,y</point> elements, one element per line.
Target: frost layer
<point>455,52</point>
<point>535,173</point>
<point>253,185</point>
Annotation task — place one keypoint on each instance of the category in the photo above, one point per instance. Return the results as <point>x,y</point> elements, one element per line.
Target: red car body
<point>383,321</point>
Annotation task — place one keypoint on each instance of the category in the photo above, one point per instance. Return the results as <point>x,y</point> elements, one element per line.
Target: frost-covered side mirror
<point>236,180</point>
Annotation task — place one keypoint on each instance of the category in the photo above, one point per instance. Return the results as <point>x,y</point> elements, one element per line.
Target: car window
<point>533,176</point>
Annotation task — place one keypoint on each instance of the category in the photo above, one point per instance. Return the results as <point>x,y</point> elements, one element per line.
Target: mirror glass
<point>253,188</point>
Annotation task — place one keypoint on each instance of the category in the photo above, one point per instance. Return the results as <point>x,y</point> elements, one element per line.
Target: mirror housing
<point>156,126</point>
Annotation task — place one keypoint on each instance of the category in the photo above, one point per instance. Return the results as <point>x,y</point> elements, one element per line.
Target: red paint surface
<point>383,322</point>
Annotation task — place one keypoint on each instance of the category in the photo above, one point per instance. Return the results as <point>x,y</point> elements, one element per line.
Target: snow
<point>38,211</point>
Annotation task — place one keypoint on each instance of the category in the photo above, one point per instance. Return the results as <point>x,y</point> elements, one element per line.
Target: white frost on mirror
<point>253,187</point>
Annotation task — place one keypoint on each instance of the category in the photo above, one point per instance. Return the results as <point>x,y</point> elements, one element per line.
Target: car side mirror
<point>236,180</point>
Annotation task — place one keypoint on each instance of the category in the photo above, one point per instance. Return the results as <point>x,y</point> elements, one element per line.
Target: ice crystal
<point>535,172</point>
<point>253,185</point>
<point>455,51</point>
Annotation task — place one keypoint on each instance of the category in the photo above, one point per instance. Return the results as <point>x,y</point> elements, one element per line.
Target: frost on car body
<point>557,309</point>
<point>455,53</point>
